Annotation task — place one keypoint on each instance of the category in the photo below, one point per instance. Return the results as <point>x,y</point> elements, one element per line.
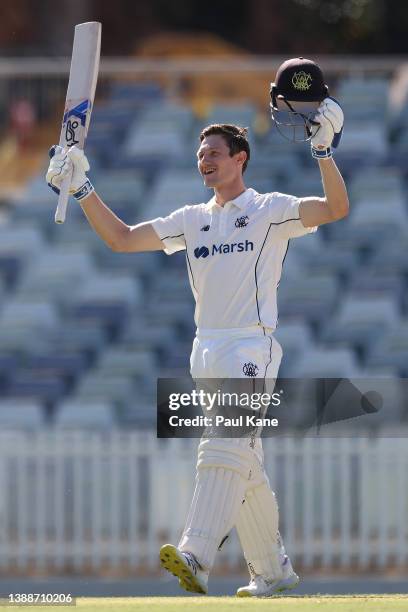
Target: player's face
<point>215,163</point>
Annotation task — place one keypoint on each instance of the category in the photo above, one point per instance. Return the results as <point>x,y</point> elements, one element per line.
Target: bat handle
<point>63,199</point>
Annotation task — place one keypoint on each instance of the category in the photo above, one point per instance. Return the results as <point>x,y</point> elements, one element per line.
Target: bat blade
<point>83,76</point>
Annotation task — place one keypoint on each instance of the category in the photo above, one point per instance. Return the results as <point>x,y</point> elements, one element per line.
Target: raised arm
<point>119,236</point>
<point>335,204</point>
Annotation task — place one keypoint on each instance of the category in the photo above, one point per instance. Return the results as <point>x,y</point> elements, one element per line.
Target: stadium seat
<point>106,288</point>
<point>22,241</point>
<point>116,389</point>
<point>360,320</point>
<point>369,281</point>
<point>81,414</point>
<point>295,339</point>
<point>312,298</point>
<point>29,315</point>
<point>87,337</point>
<point>9,362</point>
<point>242,114</point>
<point>364,99</point>
<point>55,272</point>
<point>386,257</point>
<point>375,183</point>
<point>46,388</point>
<point>364,139</point>
<point>128,361</point>
<point>325,363</point>
<point>175,189</point>
<point>57,363</point>
<point>154,141</point>
<point>391,349</point>
<point>120,186</point>
<point>168,114</point>
<point>371,220</point>
<point>144,93</point>
<point>21,414</point>
<point>160,336</point>
<point>23,340</point>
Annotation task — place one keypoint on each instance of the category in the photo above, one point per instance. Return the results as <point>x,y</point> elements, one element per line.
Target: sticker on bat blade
<point>75,118</point>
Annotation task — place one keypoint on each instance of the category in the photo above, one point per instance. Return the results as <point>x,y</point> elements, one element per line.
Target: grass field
<point>323,603</point>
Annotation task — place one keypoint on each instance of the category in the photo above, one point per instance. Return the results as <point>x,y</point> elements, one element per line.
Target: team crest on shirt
<point>250,369</point>
<point>242,221</point>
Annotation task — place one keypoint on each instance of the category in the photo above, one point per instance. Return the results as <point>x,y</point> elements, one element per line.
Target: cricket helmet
<point>298,90</point>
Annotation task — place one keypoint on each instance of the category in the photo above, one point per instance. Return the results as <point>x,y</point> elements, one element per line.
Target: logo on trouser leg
<point>251,570</point>
<point>250,369</point>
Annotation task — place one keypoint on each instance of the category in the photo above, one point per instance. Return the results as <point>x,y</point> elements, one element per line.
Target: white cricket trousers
<point>227,468</point>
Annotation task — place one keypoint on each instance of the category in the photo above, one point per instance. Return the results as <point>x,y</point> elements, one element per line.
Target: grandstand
<point>79,323</point>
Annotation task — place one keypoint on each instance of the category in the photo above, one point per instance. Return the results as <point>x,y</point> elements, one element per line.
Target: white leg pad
<point>232,454</point>
<point>213,512</point>
<point>257,527</point>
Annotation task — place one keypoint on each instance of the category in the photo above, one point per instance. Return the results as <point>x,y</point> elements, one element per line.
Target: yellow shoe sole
<point>243,594</point>
<point>173,562</point>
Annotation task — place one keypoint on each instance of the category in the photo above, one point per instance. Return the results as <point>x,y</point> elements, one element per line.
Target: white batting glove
<point>328,136</point>
<point>62,163</point>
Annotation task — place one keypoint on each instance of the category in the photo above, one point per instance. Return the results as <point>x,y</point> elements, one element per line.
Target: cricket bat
<point>83,75</point>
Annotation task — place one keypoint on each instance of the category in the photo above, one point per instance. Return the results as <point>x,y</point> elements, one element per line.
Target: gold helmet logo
<point>302,80</point>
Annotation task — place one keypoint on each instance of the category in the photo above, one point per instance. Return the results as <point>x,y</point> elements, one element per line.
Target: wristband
<point>321,153</point>
<point>80,194</point>
<point>84,191</point>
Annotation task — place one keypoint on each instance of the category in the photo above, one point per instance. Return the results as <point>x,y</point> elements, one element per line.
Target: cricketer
<point>235,245</point>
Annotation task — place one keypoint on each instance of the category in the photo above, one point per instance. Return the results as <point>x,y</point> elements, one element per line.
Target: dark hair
<point>236,138</point>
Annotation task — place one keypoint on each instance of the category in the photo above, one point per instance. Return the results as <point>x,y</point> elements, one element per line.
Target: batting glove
<point>62,163</point>
<point>331,119</point>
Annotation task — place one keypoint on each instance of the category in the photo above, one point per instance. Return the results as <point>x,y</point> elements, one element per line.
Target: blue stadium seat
<point>116,389</point>
<point>58,363</point>
<point>127,361</point>
<point>391,349</point>
<point>174,189</point>
<point>81,414</point>
<point>29,315</point>
<point>238,114</point>
<point>21,414</point>
<point>295,339</point>
<point>369,281</point>
<point>360,320</point>
<point>375,183</point>
<point>22,241</point>
<point>387,257</point>
<point>321,362</point>
<point>30,384</point>
<point>145,93</point>
<point>88,337</point>
<point>55,272</point>
<point>312,298</point>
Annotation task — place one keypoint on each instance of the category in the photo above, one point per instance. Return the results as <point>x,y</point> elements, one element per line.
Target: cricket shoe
<point>259,587</point>
<point>185,567</point>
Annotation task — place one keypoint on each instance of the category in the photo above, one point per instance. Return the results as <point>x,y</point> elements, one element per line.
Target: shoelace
<point>192,562</point>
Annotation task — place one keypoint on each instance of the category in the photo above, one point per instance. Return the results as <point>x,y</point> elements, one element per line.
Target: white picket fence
<point>89,501</point>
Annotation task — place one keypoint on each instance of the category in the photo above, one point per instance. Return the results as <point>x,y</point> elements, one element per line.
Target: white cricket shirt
<point>234,255</point>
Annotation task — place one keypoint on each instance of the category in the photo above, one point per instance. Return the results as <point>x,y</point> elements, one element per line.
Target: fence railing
<point>88,501</point>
